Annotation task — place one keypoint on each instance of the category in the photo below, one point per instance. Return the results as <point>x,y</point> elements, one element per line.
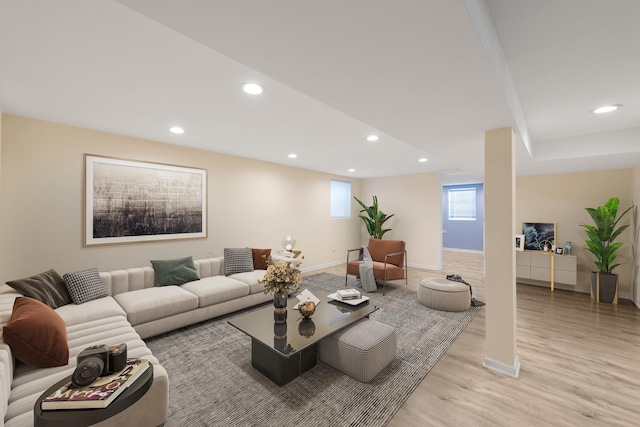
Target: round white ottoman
<point>443,294</point>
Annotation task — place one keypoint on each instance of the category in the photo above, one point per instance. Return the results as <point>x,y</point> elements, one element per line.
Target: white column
<point>499,231</point>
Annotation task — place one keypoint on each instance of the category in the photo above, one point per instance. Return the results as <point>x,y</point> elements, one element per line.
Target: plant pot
<point>608,286</point>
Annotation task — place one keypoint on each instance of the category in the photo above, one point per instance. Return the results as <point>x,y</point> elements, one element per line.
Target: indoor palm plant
<point>375,218</point>
<point>601,243</point>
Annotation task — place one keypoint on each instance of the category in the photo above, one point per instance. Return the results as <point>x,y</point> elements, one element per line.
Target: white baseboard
<point>322,266</point>
<point>503,368</point>
<point>424,266</point>
<point>470,251</point>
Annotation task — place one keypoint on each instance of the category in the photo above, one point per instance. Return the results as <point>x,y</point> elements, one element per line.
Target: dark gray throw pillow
<point>47,287</point>
<point>237,260</point>
<point>85,285</point>
<point>174,271</point>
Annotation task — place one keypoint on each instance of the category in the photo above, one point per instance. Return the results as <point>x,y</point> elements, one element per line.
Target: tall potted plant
<point>375,218</point>
<point>601,243</point>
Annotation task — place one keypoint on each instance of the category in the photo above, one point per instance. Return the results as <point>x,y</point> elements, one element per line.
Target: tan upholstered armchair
<point>389,261</point>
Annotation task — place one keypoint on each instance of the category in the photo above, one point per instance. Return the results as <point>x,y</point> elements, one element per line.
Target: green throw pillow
<point>174,271</point>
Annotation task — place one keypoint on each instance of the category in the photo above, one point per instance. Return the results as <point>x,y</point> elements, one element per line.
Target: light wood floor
<point>580,363</point>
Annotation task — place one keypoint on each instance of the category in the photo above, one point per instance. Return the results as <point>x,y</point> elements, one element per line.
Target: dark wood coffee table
<point>284,351</point>
<point>86,417</point>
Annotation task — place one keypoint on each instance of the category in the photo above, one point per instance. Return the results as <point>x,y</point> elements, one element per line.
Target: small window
<point>462,203</point>
<point>340,199</point>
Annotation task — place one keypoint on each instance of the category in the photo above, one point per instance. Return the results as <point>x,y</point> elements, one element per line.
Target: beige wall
<point>251,203</point>
<point>635,233</point>
<point>416,201</point>
<point>561,198</point>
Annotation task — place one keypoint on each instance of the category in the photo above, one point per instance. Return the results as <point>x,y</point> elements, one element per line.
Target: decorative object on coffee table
<point>307,308</point>
<point>281,279</point>
<point>280,306</point>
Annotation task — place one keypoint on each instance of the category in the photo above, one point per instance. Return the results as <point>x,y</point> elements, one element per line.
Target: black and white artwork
<point>130,201</point>
<point>536,234</point>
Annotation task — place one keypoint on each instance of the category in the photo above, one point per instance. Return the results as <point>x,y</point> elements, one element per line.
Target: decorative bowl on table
<point>307,308</point>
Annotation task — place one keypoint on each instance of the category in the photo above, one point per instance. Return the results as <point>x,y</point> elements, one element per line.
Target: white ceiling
<point>428,76</point>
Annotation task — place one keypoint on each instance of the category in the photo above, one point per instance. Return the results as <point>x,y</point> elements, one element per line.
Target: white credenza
<point>547,267</point>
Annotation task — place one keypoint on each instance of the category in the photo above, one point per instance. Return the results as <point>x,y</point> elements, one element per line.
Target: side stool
<point>361,351</point>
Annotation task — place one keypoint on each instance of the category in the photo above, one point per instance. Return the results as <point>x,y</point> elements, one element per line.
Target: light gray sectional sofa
<point>153,310</point>
<point>134,309</point>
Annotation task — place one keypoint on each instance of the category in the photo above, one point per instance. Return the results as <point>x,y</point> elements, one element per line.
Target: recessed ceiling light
<point>607,108</point>
<point>292,156</point>
<point>252,88</point>
<point>176,129</point>
<point>373,138</point>
<point>422,160</point>
<point>352,170</point>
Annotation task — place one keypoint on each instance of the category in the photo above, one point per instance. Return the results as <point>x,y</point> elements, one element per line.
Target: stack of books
<point>98,394</point>
<point>348,294</point>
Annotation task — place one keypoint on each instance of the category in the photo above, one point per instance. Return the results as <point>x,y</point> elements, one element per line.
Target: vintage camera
<point>99,360</point>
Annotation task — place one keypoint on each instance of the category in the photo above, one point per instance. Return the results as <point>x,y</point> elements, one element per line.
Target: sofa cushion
<point>237,260</point>
<point>260,258</point>
<point>36,334</point>
<point>251,278</point>
<point>146,305</point>
<point>216,289</point>
<point>85,285</point>
<point>47,287</point>
<point>101,308</point>
<point>174,271</point>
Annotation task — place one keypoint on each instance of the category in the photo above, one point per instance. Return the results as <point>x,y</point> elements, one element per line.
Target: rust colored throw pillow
<point>36,334</point>
<point>260,258</point>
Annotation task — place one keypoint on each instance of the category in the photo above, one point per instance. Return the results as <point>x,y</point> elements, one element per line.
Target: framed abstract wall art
<point>537,234</point>
<point>130,201</point>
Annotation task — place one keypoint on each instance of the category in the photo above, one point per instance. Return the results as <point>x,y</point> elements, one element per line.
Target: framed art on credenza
<point>537,234</point>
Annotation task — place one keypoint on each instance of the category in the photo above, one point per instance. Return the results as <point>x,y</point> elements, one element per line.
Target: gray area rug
<point>212,382</point>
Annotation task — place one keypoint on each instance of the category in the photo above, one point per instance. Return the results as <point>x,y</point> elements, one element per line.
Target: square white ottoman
<point>361,351</point>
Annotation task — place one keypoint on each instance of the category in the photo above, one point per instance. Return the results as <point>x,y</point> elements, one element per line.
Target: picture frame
<point>537,234</point>
<point>131,201</point>
<point>559,251</point>
<point>519,240</point>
